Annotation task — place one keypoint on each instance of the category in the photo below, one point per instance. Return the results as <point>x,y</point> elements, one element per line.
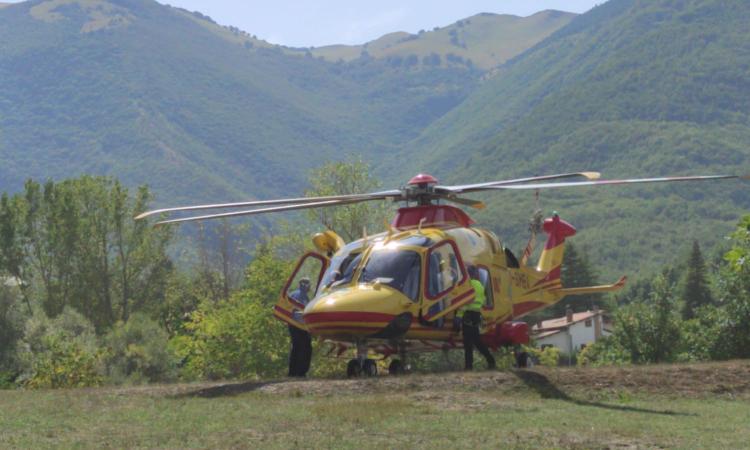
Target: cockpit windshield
<point>399,269</point>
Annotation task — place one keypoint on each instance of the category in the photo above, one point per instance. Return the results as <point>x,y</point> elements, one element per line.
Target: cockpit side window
<point>444,269</point>
<point>484,278</point>
<point>342,267</point>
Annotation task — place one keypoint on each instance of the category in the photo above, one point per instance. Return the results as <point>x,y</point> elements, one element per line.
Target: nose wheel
<point>367,368</point>
<point>396,367</point>
<point>361,365</point>
<point>353,368</point>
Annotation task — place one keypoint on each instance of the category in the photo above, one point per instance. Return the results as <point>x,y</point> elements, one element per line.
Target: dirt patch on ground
<point>730,379</point>
<point>684,380</point>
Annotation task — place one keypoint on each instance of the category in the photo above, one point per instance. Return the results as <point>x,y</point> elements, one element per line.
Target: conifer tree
<point>577,272</point>
<point>696,292</point>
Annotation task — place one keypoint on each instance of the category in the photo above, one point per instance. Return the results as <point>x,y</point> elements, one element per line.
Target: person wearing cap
<point>301,351</point>
<point>472,320</point>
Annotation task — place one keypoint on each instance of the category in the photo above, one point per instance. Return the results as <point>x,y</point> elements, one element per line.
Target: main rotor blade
<point>465,201</point>
<point>482,186</point>
<point>611,182</point>
<point>266,210</point>
<point>284,201</point>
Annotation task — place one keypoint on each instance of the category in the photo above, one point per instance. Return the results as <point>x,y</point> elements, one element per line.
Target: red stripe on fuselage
<point>523,308</point>
<point>282,311</point>
<point>348,316</point>
<point>462,296</point>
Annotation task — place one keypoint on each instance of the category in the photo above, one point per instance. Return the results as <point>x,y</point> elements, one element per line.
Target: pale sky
<point>324,22</point>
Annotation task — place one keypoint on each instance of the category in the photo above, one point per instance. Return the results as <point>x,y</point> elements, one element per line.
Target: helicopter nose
<point>363,311</point>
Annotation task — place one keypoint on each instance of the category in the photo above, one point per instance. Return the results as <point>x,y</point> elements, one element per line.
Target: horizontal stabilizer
<point>593,289</point>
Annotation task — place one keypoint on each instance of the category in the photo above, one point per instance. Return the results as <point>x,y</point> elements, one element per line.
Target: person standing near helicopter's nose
<point>472,320</point>
<point>301,351</point>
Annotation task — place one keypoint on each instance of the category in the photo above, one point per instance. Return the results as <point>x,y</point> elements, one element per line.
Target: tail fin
<point>551,258</point>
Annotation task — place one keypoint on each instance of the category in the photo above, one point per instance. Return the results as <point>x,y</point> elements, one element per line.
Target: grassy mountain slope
<point>485,40</point>
<point>153,94</point>
<point>631,88</point>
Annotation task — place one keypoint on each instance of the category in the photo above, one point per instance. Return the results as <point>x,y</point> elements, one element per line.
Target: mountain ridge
<point>632,89</point>
<point>154,93</point>
<point>452,39</point>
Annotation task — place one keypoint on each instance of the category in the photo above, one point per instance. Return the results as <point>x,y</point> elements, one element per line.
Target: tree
<point>11,329</point>
<point>222,256</point>
<point>75,243</point>
<point>577,272</point>
<point>696,292</point>
<point>648,329</point>
<point>340,178</point>
<point>13,263</point>
<point>240,337</point>
<point>734,296</point>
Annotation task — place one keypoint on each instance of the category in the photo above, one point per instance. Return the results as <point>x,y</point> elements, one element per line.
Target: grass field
<point>678,406</point>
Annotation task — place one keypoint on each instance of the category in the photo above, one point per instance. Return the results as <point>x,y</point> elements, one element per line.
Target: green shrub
<point>60,352</point>
<point>11,330</point>
<point>239,338</point>
<point>7,379</point>
<point>137,351</point>
<point>548,356</point>
<point>604,352</point>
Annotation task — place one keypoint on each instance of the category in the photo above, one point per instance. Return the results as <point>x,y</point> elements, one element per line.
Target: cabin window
<point>588,322</point>
<point>399,269</point>
<point>444,270</point>
<point>484,278</point>
<point>510,259</point>
<point>302,285</point>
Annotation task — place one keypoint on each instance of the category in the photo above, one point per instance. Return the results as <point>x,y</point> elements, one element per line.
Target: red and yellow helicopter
<point>396,292</point>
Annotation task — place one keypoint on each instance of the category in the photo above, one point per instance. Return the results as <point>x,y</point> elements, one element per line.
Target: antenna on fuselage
<point>388,227</point>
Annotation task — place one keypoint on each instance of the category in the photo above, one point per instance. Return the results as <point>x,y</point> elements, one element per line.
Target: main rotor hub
<point>421,189</point>
<point>422,178</point>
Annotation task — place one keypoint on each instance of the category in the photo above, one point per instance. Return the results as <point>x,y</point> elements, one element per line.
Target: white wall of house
<point>579,332</point>
<point>560,340</point>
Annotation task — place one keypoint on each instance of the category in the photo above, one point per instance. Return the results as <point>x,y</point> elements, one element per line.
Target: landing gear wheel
<point>353,368</point>
<point>369,368</point>
<point>396,367</point>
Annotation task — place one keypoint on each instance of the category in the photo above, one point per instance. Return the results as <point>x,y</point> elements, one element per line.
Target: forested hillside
<point>633,89</point>
<point>156,94</point>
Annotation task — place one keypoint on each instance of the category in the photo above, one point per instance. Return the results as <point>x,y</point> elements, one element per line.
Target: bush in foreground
<point>137,352</point>
<point>60,352</point>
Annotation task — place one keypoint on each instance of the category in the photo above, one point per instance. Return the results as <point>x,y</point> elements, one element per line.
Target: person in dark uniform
<point>472,320</point>
<point>301,352</point>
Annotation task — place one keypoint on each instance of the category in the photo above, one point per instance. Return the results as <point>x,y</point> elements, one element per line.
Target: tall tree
<point>13,263</point>
<point>696,291</point>
<point>648,328</point>
<point>77,245</point>
<point>734,296</point>
<point>340,178</point>
<point>576,272</point>
<point>222,256</point>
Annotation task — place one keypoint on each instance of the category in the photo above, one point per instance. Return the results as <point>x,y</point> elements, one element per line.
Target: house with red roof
<point>573,331</point>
